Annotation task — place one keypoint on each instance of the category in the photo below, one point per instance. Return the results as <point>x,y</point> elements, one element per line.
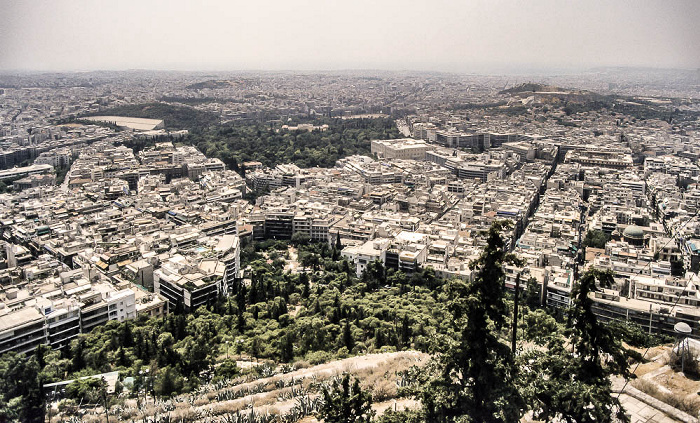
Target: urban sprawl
<point>125,233</point>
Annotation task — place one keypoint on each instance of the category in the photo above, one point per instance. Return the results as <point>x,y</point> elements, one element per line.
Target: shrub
<point>318,357</point>
<point>406,416</point>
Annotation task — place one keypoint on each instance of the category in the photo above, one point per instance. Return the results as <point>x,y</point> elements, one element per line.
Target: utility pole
<point>515,314</point>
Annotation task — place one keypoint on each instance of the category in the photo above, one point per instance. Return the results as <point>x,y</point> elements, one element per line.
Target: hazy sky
<point>457,35</point>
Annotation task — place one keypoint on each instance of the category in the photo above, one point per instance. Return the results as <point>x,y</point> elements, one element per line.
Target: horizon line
<point>495,70</point>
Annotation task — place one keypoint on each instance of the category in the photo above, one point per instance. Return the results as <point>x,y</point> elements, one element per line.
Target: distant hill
<point>174,117</point>
<point>530,87</point>
<point>211,84</point>
<point>575,101</point>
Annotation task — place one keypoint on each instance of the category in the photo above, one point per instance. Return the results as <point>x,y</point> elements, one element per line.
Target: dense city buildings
<point>129,232</point>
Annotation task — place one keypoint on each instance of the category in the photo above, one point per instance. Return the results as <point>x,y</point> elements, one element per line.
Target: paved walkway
<point>644,413</point>
<point>644,408</point>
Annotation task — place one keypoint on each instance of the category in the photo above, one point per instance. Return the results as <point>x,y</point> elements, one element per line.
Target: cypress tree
<point>472,380</point>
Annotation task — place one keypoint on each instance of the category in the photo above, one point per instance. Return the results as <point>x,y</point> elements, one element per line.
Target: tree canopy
<point>238,143</point>
<point>596,239</point>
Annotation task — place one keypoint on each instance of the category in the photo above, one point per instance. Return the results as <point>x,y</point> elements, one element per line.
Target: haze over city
<point>468,36</point>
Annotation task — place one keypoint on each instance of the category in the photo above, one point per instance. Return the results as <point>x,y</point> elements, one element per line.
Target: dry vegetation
<point>687,403</point>
<point>658,379</point>
<point>276,395</point>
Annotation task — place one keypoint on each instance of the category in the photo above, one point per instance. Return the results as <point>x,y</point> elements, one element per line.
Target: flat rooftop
<point>20,317</point>
<point>19,171</point>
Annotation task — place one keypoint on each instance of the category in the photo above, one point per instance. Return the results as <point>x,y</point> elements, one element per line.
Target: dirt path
<point>292,264</point>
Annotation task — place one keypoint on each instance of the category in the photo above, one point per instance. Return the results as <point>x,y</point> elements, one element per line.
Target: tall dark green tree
<point>348,340</point>
<point>286,347</point>
<point>77,346</point>
<point>374,275</point>
<point>473,378</point>
<point>338,243</point>
<point>168,382</point>
<point>599,349</point>
<point>533,293</point>
<point>405,332</point>
<point>21,398</point>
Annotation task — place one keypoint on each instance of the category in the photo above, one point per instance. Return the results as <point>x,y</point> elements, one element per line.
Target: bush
<point>634,335</point>
<point>318,357</point>
<point>646,386</point>
<point>301,364</point>
<point>228,369</point>
<point>87,390</point>
<point>406,416</point>
<point>634,356</point>
<point>346,402</point>
<point>683,403</point>
<point>383,389</point>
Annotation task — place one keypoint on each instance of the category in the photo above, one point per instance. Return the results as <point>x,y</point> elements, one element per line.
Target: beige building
<point>405,148</point>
